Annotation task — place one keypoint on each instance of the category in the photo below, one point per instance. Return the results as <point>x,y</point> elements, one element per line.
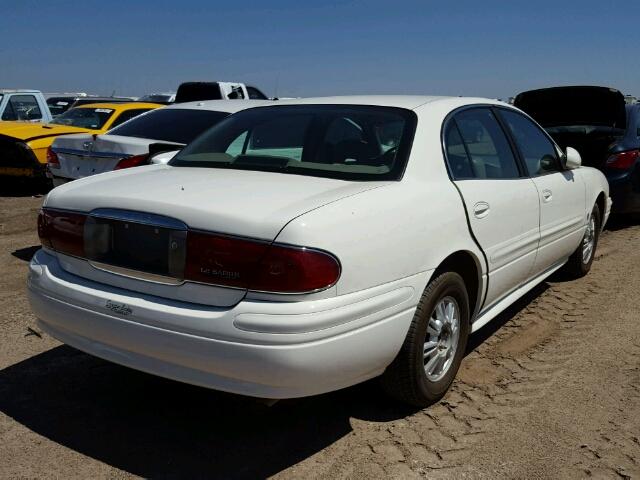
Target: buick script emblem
<point>119,308</point>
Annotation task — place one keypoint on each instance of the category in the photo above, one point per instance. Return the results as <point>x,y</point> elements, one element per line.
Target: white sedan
<point>307,246</point>
<point>142,140</point>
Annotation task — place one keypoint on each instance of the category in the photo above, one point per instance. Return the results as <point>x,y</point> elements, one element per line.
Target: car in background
<point>164,98</point>
<point>58,104</point>
<point>23,105</point>
<point>302,247</point>
<point>150,138</point>
<point>24,147</point>
<point>194,91</point>
<point>601,125</point>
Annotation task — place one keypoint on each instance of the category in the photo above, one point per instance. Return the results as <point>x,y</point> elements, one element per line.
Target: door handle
<point>547,195</point>
<point>481,209</point>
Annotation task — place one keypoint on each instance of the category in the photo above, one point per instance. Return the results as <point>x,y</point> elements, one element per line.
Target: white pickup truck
<point>198,91</point>
<point>27,105</point>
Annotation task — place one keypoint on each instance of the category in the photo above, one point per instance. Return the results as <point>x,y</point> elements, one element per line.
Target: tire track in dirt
<point>506,376</point>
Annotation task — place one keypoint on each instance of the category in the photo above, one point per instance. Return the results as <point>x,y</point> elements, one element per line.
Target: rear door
<point>561,192</point>
<point>502,203</point>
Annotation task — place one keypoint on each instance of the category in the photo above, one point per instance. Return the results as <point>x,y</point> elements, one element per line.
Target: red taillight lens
<point>222,260</point>
<point>52,158</point>
<point>217,259</point>
<point>295,270</point>
<point>62,231</point>
<point>241,263</point>
<point>623,160</point>
<point>134,161</point>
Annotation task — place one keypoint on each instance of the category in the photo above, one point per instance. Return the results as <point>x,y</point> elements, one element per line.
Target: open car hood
<point>582,105</point>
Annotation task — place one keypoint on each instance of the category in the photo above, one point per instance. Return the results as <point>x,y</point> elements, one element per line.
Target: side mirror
<point>162,158</point>
<point>572,159</point>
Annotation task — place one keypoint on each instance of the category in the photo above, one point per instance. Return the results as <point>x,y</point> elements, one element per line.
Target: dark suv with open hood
<point>598,123</point>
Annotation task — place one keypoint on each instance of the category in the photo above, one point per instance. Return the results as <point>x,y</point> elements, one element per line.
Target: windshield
<point>93,118</point>
<point>351,142</point>
<point>59,105</point>
<point>156,98</point>
<point>175,125</point>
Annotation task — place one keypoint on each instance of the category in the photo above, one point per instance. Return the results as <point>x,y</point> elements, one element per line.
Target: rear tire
<point>580,261</point>
<point>429,359</point>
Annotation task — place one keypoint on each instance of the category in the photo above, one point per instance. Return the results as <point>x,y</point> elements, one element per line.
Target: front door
<point>561,192</point>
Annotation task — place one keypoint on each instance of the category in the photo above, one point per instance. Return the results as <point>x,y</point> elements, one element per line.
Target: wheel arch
<point>468,266</point>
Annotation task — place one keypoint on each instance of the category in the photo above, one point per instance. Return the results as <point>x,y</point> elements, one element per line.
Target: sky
<point>314,48</point>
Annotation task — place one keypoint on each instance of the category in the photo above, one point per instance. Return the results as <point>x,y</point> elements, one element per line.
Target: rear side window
<point>488,151</point>
<point>22,107</point>
<point>538,151</point>
<point>128,115</point>
<point>457,158</point>
<point>170,124</point>
<point>255,94</point>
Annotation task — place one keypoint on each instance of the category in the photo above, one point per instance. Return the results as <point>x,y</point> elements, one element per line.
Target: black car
<point>61,103</point>
<point>598,123</point>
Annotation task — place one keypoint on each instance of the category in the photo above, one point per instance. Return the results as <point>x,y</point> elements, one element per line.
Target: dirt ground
<point>551,389</point>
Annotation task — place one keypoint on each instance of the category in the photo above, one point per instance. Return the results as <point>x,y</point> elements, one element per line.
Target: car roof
<point>229,106</point>
<point>121,106</point>
<point>18,90</point>
<point>410,102</point>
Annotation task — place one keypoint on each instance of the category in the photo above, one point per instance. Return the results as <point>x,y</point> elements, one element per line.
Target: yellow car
<point>23,145</point>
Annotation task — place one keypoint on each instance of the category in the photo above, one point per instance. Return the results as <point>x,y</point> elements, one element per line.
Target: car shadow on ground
<point>154,427</point>
<point>23,187</point>
<point>27,253</point>
<point>620,222</point>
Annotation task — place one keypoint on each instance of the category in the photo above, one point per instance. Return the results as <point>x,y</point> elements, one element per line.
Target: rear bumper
<point>261,349</point>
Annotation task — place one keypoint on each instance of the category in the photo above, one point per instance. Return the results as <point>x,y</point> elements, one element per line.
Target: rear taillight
<point>52,158</point>
<point>623,160</point>
<point>288,269</point>
<point>134,161</point>
<point>258,266</point>
<point>62,231</point>
<point>217,259</point>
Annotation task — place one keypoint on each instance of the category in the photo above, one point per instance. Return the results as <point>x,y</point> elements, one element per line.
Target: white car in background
<point>140,141</point>
<point>310,245</point>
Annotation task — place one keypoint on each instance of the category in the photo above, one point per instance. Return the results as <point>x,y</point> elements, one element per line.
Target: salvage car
<point>601,124</point>
<point>150,138</point>
<point>24,105</point>
<point>304,247</point>
<point>25,147</point>
<point>60,103</point>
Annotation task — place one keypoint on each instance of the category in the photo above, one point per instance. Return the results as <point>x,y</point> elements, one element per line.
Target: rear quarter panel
<point>399,229</point>
<point>595,183</point>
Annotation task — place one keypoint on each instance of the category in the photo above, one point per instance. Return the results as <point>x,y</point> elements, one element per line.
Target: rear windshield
<point>351,142</point>
<point>170,125</point>
<point>93,118</point>
<point>59,105</point>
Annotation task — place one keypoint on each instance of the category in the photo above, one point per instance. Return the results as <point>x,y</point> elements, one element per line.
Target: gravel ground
<point>551,389</point>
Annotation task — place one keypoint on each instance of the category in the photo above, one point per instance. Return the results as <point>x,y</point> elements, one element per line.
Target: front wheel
<point>580,261</point>
<point>429,359</point>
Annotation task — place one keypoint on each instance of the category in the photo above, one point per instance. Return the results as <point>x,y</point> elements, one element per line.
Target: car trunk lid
<point>84,155</point>
<point>590,119</point>
<point>172,201</point>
